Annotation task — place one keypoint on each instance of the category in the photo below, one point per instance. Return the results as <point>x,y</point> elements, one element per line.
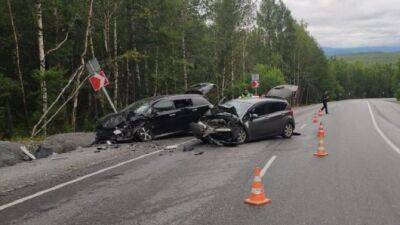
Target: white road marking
<point>389,142</point>
<point>190,140</point>
<point>302,127</point>
<point>21,200</point>
<point>268,165</point>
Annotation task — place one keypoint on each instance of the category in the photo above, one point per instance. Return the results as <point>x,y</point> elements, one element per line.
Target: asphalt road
<point>358,183</point>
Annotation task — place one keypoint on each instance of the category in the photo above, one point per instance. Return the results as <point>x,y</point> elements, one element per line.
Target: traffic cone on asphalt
<point>315,119</point>
<point>257,195</point>
<point>320,113</point>
<point>321,149</point>
<point>321,131</point>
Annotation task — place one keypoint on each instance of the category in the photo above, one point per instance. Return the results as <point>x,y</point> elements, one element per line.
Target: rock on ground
<point>10,153</point>
<point>61,143</point>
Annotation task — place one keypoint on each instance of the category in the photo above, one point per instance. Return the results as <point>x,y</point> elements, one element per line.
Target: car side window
<point>164,105</point>
<point>261,110</point>
<point>183,103</point>
<point>200,101</point>
<point>277,106</point>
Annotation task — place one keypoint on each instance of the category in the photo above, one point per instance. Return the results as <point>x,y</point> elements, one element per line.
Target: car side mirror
<point>253,116</point>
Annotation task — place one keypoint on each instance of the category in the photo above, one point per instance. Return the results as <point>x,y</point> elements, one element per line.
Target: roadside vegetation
<point>372,57</point>
<point>158,47</point>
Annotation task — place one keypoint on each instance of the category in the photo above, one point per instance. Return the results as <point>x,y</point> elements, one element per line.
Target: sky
<point>350,23</point>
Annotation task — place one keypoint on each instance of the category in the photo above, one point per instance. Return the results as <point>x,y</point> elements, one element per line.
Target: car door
<point>277,117</point>
<point>258,120</point>
<point>163,117</point>
<point>200,107</point>
<point>186,113</point>
<point>264,120</point>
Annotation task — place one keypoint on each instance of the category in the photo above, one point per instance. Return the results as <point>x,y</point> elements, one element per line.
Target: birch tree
<point>17,57</point>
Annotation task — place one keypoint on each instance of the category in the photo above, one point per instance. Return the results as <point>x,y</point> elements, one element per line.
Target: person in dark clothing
<point>325,98</point>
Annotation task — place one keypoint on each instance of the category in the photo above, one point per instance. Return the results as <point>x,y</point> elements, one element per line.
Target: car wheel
<point>241,135</point>
<point>288,130</point>
<point>144,134</point>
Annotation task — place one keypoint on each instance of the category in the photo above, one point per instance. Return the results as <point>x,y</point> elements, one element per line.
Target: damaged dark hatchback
<point>155,117</point>
<point>241,120</point>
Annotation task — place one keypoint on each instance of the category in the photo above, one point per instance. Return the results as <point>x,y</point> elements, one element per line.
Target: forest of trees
<point>154,47</point>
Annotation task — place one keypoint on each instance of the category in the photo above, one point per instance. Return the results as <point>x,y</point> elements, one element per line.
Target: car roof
<point>174,97</point>
<point>253,101</point>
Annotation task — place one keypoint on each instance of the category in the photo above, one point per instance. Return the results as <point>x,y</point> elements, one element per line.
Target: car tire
<point>288,130</point>
<point>242,135</point>
<point>144,134</point>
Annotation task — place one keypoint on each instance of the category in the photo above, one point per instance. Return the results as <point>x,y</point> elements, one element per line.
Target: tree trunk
<point>17,60</point>
<point>106,32</point>
<point>232,79</point>
<point>91,43</point>
<point>185,75</point>
<point>42,58</point>
<point>244,57</point>
<point>223,82</point>
<point>8,120</point>
<point>145,73</point>
<point>127,83</point>
<point>116,69</point>
<point>156,74</point>
<point>88,28</point>
<point>138,79</point>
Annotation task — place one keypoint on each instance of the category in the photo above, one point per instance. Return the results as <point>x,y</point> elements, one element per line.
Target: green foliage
<point>7,86</point>
<point>397,94</point>
<point>269,77</point>
<point>372,57</point>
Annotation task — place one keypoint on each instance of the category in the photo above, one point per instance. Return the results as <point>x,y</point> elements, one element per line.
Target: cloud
<point>350,23</point>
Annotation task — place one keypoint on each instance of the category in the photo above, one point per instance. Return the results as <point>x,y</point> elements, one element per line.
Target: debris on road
<point>58,158</point>
<point>187,147</point>
<point>26,152</point>
<point>199,153</point>
<point>171,147</point>
<point>102,148</point>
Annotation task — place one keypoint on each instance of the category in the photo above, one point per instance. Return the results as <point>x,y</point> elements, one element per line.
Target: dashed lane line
<point>268,165</point>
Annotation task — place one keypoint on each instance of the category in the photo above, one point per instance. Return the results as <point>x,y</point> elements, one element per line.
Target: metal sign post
<point>109,99</point>
<point>255,78</point>
<point>94,69</point>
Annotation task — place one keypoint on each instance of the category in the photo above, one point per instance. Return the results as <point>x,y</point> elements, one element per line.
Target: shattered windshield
<point>240,107</point>
<point>138,107</point>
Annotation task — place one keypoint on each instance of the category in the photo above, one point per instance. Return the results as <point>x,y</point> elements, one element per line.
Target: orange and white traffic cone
<point>320,113</point>
<point>257,195</point>
<point>321,149</point>
<point>315,119</point>
<point>321,131</point>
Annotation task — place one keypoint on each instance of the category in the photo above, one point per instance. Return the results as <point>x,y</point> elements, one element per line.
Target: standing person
<point>246,94</point>
<point>325,99</point>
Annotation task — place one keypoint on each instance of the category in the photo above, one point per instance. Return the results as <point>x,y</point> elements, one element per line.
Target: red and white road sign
<point>99,80</point>
<point>255,84</point>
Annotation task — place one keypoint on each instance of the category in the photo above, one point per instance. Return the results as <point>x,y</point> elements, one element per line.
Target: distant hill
<point>350,51</point>
<point>372,57</point>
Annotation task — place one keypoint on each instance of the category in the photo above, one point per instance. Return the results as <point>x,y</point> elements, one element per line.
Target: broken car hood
<point>201,88</point>
<point>283,91</point>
